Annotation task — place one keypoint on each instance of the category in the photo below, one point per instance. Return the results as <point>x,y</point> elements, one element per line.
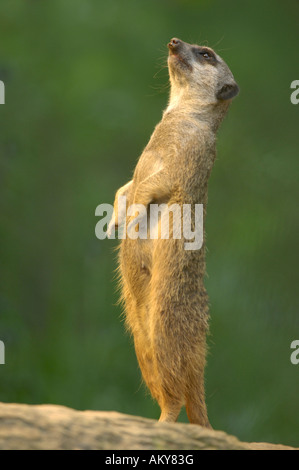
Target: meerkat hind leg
<point>170,413</point>
<point>170,408</point>
<point>197,412</point>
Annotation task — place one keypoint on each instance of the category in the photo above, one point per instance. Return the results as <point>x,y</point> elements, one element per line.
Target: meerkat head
<point>199,72</point>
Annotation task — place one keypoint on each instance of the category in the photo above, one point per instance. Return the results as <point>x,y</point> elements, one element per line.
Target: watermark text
<point>295,94</point>
<point>2,92</point>
<point>156,221</point>
<point>295,354</point>
<point>2,353</point>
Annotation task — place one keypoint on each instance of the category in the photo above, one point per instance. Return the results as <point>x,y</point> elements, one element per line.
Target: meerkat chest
<point>193,165</point>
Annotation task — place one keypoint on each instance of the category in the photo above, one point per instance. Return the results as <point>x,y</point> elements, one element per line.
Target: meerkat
<point>165,300</point>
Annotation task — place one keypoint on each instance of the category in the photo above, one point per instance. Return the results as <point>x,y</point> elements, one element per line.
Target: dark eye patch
<point>204,54</point>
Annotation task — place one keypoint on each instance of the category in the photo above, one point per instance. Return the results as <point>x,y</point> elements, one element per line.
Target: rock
<point>42,427</point>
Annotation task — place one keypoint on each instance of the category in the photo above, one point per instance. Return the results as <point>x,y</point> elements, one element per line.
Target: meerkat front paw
<point>112,226</point>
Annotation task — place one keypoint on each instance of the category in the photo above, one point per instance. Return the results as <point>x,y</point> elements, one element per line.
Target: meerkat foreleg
<point>119,216</point>
<point>154,187</point>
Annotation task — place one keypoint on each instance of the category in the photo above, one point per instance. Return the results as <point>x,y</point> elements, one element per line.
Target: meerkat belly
<point>136,265</point>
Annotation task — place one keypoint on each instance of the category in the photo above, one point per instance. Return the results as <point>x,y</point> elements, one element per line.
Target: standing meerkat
<point>165,300</point>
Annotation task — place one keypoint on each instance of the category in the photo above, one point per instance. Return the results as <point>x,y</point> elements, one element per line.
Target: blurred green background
<point>86,83</point>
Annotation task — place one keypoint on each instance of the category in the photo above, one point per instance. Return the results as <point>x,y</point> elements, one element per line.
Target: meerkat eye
<point>205,53</point>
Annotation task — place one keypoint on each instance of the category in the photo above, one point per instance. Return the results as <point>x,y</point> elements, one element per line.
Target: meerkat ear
<point>227,91</point>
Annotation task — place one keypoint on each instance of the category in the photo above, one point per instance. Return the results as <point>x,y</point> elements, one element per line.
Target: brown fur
<point>166,303</point>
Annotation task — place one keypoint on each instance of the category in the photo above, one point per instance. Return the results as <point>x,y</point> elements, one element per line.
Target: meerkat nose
<point>174,43</point>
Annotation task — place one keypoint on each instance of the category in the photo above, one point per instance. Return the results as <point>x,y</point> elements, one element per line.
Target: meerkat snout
<point>174,44</point>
